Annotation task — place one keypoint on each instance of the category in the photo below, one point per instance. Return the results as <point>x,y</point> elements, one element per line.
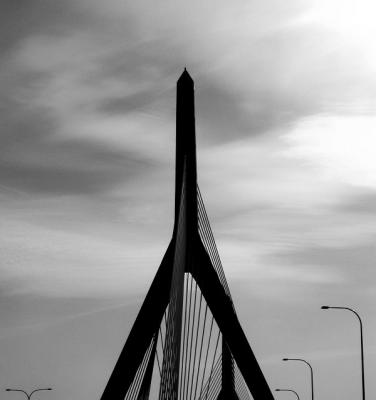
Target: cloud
<point>363,203</point>
<point>284,103</point>
<point>340,147</point>
<point>86,114</point>
<point>354,265</point>
<point>75,97</point>
<point>128,103</point>
<point>58,261</point>
<point>33,159</point>
<point>26,18</point>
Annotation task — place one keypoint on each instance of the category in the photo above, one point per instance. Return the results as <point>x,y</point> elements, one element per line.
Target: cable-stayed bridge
<point>187,342</point>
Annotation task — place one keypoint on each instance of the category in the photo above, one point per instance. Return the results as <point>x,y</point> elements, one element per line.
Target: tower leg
<point>147,323</point>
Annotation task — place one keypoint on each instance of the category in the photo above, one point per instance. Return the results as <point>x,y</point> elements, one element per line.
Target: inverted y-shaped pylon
<point>175,340</point>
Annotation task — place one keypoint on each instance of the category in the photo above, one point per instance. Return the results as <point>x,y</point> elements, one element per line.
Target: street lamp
<point>361,341</point>
<point>310,367</point>
<point>25,393</point>
<point>287,390</point>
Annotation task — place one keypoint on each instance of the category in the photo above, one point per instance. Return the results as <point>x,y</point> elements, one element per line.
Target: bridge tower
<point>187,342</point>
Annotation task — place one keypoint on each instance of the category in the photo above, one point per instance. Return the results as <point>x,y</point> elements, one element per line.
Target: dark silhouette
<point>361,341</point>
<point>189,286</point>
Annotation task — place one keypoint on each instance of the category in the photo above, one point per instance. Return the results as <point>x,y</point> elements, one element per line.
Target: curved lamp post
<point>288,390</point>
<point>28,395</point>
<point>310,367</point>
<point>361,341</point>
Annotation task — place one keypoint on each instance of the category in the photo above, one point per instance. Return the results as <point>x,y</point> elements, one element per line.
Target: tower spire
<point>186,168</point>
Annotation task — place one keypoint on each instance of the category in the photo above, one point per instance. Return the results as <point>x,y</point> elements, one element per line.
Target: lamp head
<point>325,307</point>
<point>285,359</point>
<point>278,390</point>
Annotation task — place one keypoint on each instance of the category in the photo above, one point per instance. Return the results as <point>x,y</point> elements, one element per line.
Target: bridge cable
<point>140,373</point>
<point>211,245</point>
<point>215,353</point>
<point>207,352</point>
<point>191,336</point>
<point>216,376</point>
<point>201,344</point>
<point>195,351</point>
<point>183,351</point>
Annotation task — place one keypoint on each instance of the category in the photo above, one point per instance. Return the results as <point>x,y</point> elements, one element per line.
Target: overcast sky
<point>286,124</point>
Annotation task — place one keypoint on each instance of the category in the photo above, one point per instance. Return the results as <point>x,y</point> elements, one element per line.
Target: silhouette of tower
<point>173,347</point>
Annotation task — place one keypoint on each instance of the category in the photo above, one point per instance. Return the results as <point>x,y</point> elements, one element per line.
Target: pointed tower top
<point>185,77</point>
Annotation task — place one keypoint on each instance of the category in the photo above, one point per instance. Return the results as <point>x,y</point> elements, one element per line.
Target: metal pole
<point>311,370</point>
<point>361,342</point>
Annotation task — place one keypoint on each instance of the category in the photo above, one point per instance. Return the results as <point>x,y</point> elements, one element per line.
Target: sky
<point>285,120</point>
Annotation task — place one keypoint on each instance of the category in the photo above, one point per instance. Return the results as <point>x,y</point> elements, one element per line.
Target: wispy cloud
<point>284,110</point>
